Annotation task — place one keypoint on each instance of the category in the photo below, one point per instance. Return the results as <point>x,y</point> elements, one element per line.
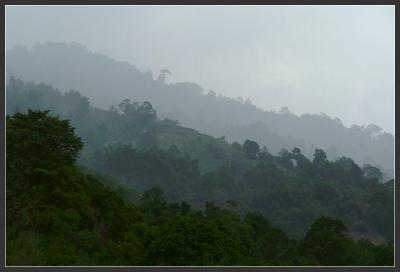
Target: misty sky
<point>333,59</point>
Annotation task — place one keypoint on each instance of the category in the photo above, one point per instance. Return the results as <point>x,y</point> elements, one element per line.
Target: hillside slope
<point>59,215</point>
<point>107,82</point>
<point>133,145</point>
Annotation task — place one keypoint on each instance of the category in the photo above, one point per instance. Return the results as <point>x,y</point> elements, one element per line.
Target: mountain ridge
<point>75,67</point>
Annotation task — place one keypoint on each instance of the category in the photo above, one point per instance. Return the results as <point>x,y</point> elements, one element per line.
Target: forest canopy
<point>61,214</point>
<point>130,143</point>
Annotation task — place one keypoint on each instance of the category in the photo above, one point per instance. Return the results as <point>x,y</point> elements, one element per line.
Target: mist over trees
<point>109,165</point>
<point>132,144</point>
<point>107,82</point>
<point>61,214</point>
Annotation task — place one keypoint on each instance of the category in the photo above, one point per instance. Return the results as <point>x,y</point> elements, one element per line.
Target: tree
<point>296,151</point>
<point>285,159</point>
<point>326,240</point>
<point>320,157</point>
<point>258,222</point>
<point>79,105</point>
<point>348,166</point>
<point>147,113</point>
<point>153,202</point>
<point>370,171</point>
<point>154,194</point>
<point>128,108</point>
<point>384,254</point>
<point>265,155</point>
<point>251,149</point>
<point>143,114</point>
<point>38,140</point>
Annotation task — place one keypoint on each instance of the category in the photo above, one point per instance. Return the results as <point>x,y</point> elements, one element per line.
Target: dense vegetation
<point>131,144</point>
<point>59,214</point>
<point>106,82</point>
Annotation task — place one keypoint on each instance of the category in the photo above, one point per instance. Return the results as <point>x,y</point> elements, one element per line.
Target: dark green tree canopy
<point>296,151</point>
<point>62,214</point>
<point>144,113</point>
<point>251,148</point>
<point>370,171</point>
<point>326,241</point>
<point>40,140</point>
<point>327,224</point>
<point>320,157</point>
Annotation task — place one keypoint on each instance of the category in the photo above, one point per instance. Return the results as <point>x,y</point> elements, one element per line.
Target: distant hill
<point>107,82</point>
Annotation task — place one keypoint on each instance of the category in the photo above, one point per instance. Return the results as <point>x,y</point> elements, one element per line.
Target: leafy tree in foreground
<point>326,241</point>
<point>41,140</point>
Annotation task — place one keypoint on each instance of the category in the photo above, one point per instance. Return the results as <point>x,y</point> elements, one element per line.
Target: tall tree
<point>251,148</point>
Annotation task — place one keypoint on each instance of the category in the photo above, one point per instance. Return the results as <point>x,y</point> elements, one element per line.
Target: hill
<point>107,82</point>
<point>131,143</point>
<point>58,215</point>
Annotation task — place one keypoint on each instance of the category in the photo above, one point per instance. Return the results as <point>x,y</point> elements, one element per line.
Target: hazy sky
<point>333,59</point>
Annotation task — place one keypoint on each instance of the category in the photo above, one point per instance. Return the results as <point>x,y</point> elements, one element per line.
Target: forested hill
<point>107,82</point>
<point>58,214</point>
<point>131,143</point>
